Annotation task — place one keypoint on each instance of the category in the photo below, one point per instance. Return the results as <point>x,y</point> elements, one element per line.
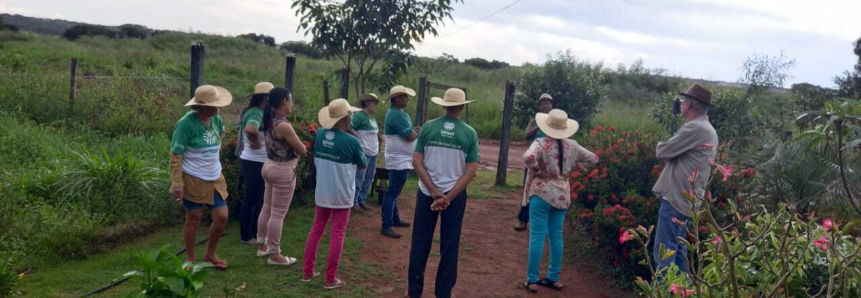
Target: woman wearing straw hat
<point>337,156</point>
<point>551,159</point>
<point>195,168</point>
<point>545,104</point>
<point>364,127</point>
<point>283,149</point>
<point>251,150</point>
<point>446,160</point>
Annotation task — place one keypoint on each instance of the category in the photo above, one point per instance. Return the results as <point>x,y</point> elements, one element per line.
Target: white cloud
<point>12,9</point>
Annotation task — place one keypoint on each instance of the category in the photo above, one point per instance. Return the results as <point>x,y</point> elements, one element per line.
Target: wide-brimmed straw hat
<point>398,90</point>
<point>452,97</point>
<point>263,88</point>
<point>210,96</point>
<point>337,110</point>
<point>698,93</point>
<point>368,96</point>
<point>556,124</point>
<point>545,96</point>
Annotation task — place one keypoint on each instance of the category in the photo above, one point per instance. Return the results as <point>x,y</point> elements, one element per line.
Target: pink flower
<point>625,237</point>
<point>717,240</point>
<point>679,290</point>
<point>693,177</point>
<point>677,221</point>
<point>821,243</point>
<point>827,224</point>
<point>726,172</point>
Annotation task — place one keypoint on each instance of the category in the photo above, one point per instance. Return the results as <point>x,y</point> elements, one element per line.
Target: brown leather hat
<point>699,93</point>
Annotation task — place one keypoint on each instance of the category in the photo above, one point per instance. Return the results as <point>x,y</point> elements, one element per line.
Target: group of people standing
<point>443,154</point>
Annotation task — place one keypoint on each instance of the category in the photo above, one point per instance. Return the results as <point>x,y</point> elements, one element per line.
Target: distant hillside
<point>39,25</point>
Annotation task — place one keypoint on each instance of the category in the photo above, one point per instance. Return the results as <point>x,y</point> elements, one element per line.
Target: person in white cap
<point>551,160</point>
<point>364,127</point>
<point>337,156</point>
<point>446,160</point>
<point>545,104</point>
<point>195,169</point>
<point>400,136</point>
<point>251,150</point>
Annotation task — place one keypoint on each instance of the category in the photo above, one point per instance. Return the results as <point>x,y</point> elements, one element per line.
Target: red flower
<point>590,197</point>
<point>593,133</point>
<point>822,243</point>
<point>625,237</point>
<point>717,240</point>
<point>827,224</point>
<point>576,174</point>
<point>612,129</point>
<point>599,128</point>
<point>679,290</point>
<point>721,205</point>
<point>704,230</point>
<point>307,144</point>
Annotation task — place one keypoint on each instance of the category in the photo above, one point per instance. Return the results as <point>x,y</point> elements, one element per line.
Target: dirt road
<point>489,152</point>
<point>492,255</point>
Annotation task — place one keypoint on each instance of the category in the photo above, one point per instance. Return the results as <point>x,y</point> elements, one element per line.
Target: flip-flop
<point>219,264</point>
<point>526,284</point>
<point>316,275</point>
<point>338,283</point>
<point>547,283</point>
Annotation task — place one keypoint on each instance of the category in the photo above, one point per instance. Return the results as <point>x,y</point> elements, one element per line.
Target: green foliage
<point>484,64</point>
<point>638,84</point>
<point>849,84</point>
<point>134,31</point>
<point>9,280</point>
<point>163,274</point>
<point>260,38</point>
<point>302,48</point>
<point>575,86</point>
<point>88,30</point>
<point>790,175</point>
<point>763,72</point>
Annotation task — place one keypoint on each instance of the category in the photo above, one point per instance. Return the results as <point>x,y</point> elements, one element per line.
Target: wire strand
<point>482,20</point>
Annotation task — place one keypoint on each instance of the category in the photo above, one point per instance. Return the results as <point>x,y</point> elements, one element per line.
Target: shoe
<point>338,283</point>
<point>251,242</point>
<point>366,207</point>
<point>289,261</point>
<point>308,279</point>
<point>402,224</point>
<point>520,227</point>
<point>261,253</point>
<point>357,209</point>
<point>390,233</point>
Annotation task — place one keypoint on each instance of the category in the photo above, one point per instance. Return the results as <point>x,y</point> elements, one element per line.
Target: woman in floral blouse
<point>550,161</point>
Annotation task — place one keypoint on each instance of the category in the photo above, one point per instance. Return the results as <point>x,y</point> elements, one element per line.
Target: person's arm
<point>686,139</point>
<point>585,158</point>
<point>406,130</point>
<point>177,186</point>
<point>460,186</point>
<point>424,176</point>
<point>531,130</point>
<point>253,135</point>
<point>412,136</point>
<point>530,157</point>
<point>285,131</point>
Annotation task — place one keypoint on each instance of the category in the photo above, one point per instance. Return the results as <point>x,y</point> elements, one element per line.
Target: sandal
<point>547,283</point>
<point>338,283</point>
<point>527,285</point>
<point>316,275</point>
<point>219,263</point>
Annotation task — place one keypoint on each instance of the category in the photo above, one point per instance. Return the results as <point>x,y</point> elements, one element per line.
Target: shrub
<point>9,280</point>
<point>575,86</point>
<point>264,39</point>
<point>163,274</point>
<point>482,63</point>
<point>78,31</point>
<point>134,31</point>
<point>302,48</point>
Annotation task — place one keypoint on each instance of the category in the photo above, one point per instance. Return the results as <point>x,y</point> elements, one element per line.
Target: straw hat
<point>545,96</point>
<point>210,96</point>
<point>556,124</point>
<point>263,88</point>
<point>398,90</point>
<point>452,97</point>
<point>337,110</point>
<point>368,96</point>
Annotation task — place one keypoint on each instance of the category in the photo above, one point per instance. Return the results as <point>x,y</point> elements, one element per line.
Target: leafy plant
<point>9,280</point>
<point>163,274</point>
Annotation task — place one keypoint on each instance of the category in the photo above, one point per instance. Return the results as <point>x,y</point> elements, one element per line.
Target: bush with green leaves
<point>163,274</point>
<point>9,280</point>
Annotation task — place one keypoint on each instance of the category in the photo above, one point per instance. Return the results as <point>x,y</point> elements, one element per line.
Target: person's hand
<point>545,175</point>
<point>177,192</point>
<point>417,129</point>
<point>254,145</point>
<point>436,195</point>
<point>439,205</point>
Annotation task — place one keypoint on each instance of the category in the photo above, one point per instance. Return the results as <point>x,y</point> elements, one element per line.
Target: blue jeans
<point>546,223</point>
<point>217,202</point>
<point>667,234</point>
<point>364,179</point>
<point>397,179</point>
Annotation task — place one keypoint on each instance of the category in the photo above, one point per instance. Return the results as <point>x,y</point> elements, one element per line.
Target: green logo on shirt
<point>210,137</point>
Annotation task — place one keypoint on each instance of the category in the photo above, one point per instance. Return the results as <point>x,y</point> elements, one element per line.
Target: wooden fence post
<point>73,88</point>
<point>326,98</point>
<point>467,106</point>
<point>420,104</point>
<point>345,83</point>
<point>289,71</point>
<point>197,54</point>
<point>507,114</point>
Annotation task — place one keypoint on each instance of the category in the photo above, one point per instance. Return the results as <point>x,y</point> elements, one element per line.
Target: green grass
<point>627,116</point>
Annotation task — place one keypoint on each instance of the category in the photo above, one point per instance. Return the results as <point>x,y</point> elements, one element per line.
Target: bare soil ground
<point>489,152</point>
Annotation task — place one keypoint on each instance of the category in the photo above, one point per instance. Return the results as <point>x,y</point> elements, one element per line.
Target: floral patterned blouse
<point>542,160</point>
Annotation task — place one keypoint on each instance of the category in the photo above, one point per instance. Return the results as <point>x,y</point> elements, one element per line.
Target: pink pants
<point>340,219</point>
<point>280,180</point>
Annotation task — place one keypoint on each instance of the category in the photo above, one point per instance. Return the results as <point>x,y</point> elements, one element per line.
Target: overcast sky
<point>707,39</point>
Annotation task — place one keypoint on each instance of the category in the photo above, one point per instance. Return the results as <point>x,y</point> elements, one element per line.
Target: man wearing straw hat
<point>337,156</point>
<point>195,168</point>
<point>400,136</point>
<point>689,150</point>
<point>364,127</point>
<point>446,160</point>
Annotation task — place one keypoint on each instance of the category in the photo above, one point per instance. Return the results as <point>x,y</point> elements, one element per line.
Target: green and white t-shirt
<point>365,127</point>
<point>448,145</point>
<point>200,146</point>
<point>337,156</point>
<point>253,116</point>
<point>399,152</point>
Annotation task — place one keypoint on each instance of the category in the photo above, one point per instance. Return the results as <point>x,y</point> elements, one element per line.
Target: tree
<point>448,59</point>
<point>78,31</point>
<point>4,26</point>
<point>575,86</point>
<point>849,84</point>
<point>134,31</point>
<point>363,33</point>
<point>763,72</point>
<point>260,38</point>
<point>302,48</point>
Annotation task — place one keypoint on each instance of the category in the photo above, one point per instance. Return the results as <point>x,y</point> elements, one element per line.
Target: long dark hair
<point>276,98</point>
<point>255,101</point>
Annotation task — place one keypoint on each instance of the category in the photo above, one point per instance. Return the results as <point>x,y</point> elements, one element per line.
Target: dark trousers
<point>252,203</point>
<point>424,225</point>
<point>523,216</point>
<point>389,213</point>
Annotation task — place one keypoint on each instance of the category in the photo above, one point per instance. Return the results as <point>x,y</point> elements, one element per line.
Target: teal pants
<point>545,222</point>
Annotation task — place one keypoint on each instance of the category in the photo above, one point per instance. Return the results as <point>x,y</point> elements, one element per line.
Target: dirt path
<point>489,152</point>
<point>492,255</point>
